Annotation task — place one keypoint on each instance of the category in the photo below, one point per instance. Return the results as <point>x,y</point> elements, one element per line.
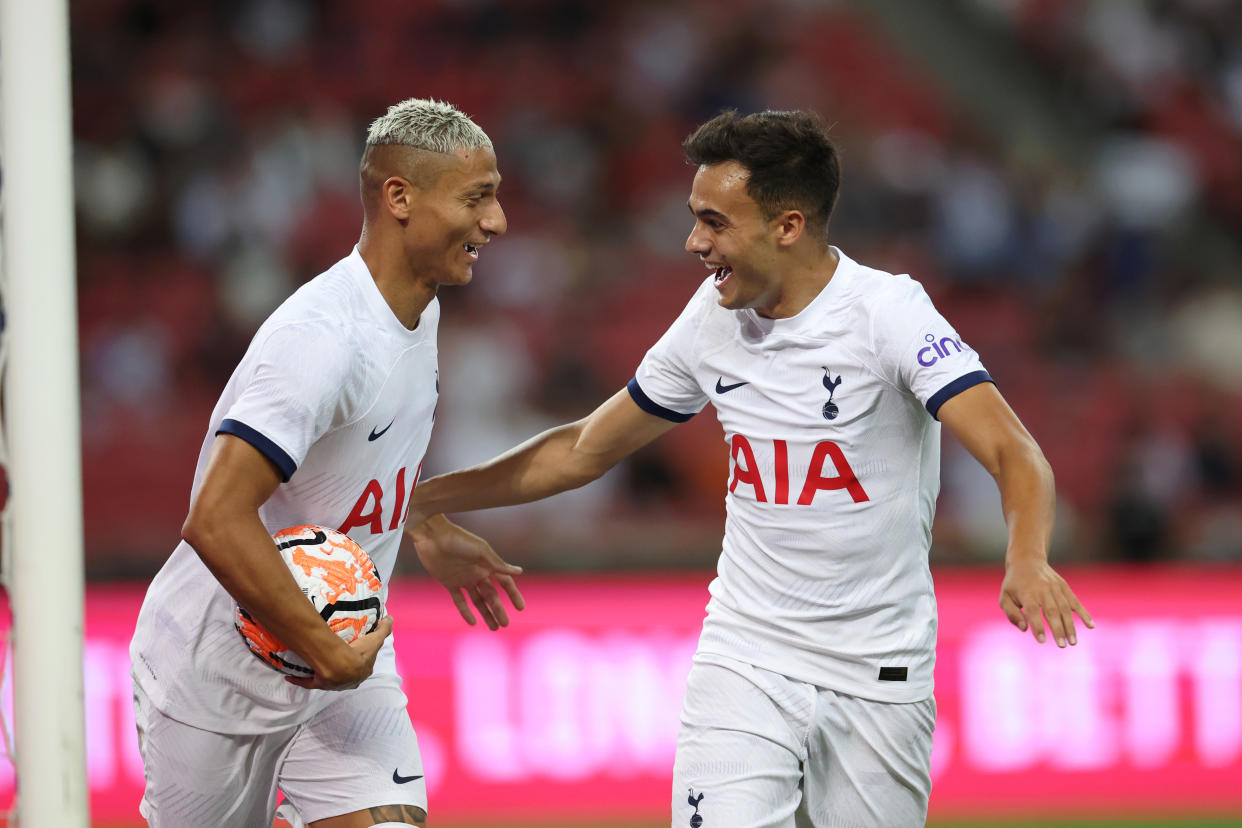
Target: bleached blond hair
<point>427,124</point>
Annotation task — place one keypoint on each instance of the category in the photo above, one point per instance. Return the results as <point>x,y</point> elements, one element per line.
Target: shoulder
<point>880,292</point>
<point>309,334</point>
<point>887,306</point>
<point>887,310</point>
<point>318,348</point>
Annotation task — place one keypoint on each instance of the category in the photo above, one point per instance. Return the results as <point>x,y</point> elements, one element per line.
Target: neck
<point>406,294</point>
<point>802,283</point>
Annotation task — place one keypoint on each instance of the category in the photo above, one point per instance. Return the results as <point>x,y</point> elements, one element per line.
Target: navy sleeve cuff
<point>954,388</point>
<point>265,446</point>
<point>652,407</point>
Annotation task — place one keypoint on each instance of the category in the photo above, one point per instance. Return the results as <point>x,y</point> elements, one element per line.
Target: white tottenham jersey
<point>340,396</point>
<point>834,472</point>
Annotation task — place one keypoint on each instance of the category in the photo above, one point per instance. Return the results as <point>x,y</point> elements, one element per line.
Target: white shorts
<point>359,752</point>
<point>759,750</point>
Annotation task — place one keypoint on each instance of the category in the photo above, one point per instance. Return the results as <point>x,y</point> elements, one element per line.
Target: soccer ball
<point>339,579</point>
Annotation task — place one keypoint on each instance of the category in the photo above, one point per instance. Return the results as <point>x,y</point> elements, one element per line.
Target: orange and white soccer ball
<point>339,579</point>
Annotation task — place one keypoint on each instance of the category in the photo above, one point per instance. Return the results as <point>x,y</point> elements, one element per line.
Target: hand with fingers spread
<point>1033,592</point>
<point>467,565</point>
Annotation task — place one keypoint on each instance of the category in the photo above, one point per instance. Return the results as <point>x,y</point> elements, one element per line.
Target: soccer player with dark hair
<point>324,421</point>
<point>809,702</point>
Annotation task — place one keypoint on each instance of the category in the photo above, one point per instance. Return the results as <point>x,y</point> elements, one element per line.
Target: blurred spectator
<point>216,169</point>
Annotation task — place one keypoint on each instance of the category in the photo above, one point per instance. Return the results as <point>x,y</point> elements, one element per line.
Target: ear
<point>790,225</point>
<point>397,195</point>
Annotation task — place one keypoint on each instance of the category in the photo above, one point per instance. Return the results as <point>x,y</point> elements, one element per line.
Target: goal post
<point>44,567</point>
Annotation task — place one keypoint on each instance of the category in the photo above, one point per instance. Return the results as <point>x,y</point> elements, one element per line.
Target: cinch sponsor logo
<point>932,353</point>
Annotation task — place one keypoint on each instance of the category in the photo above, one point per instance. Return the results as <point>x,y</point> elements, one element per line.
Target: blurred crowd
<point>216,167</point>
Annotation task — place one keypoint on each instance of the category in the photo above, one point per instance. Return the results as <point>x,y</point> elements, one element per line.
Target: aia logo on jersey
<point>746,471</point>
<point>368,509</point>
<point>936,351</point>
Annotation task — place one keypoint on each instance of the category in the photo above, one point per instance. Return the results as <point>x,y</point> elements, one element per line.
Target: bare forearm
<point>1028,500</point>
<point>244,559</point>
<point>559,459</point>
<point>1033,596</point>
<point>994,436</point>
<point>547,464</point>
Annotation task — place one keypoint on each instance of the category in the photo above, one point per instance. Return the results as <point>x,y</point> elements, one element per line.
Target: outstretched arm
<point>1032,591</point>
<point>559,459</point>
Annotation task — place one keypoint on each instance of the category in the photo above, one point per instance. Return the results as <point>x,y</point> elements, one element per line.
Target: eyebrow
<point>482,187</point>
<point>707,212</point>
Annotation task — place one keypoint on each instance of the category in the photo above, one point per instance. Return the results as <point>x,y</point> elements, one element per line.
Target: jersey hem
<point>227,722</point>
<point>723,659</point>
<point>854,674</point>
<point>838,684</point>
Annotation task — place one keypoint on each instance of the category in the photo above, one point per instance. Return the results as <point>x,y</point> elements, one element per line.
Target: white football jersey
<point>340,396</point>
<point>834,472</point>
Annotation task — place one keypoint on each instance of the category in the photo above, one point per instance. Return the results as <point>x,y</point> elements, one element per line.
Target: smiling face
<point>450,212</point>
<point>733,238</point>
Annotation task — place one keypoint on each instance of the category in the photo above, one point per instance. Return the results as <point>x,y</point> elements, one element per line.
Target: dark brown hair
<point>792,162</point>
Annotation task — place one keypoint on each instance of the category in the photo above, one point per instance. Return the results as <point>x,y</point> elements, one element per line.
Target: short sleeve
<point>664,383</point>
<point>293,395</point>
<point>920,351</point>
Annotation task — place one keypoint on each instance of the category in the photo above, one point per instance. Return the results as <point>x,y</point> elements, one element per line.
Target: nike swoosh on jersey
<point>401,780</point>
<point>375,435</point>
<point>725,389</point>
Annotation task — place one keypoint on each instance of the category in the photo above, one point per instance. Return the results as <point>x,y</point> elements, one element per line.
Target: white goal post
<point>43,552</point>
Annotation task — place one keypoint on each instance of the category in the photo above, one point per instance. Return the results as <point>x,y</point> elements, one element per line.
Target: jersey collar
<point>357,268</point>
<point>809,321</point>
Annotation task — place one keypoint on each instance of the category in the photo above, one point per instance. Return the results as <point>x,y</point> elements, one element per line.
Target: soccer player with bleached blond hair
<point>324,421</point>
<point>809,703</point>
<point>429,125</point>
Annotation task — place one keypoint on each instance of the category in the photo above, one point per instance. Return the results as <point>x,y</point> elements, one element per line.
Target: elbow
<point>1045,469</point>
<point>1033,455</point>
<point>201,532</point>
<point>195,533</point>
<point>577,474</point>
<point>588,467</point>
<point>593,468</point>
<point>584,462</point>
<point>1024,454</point>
